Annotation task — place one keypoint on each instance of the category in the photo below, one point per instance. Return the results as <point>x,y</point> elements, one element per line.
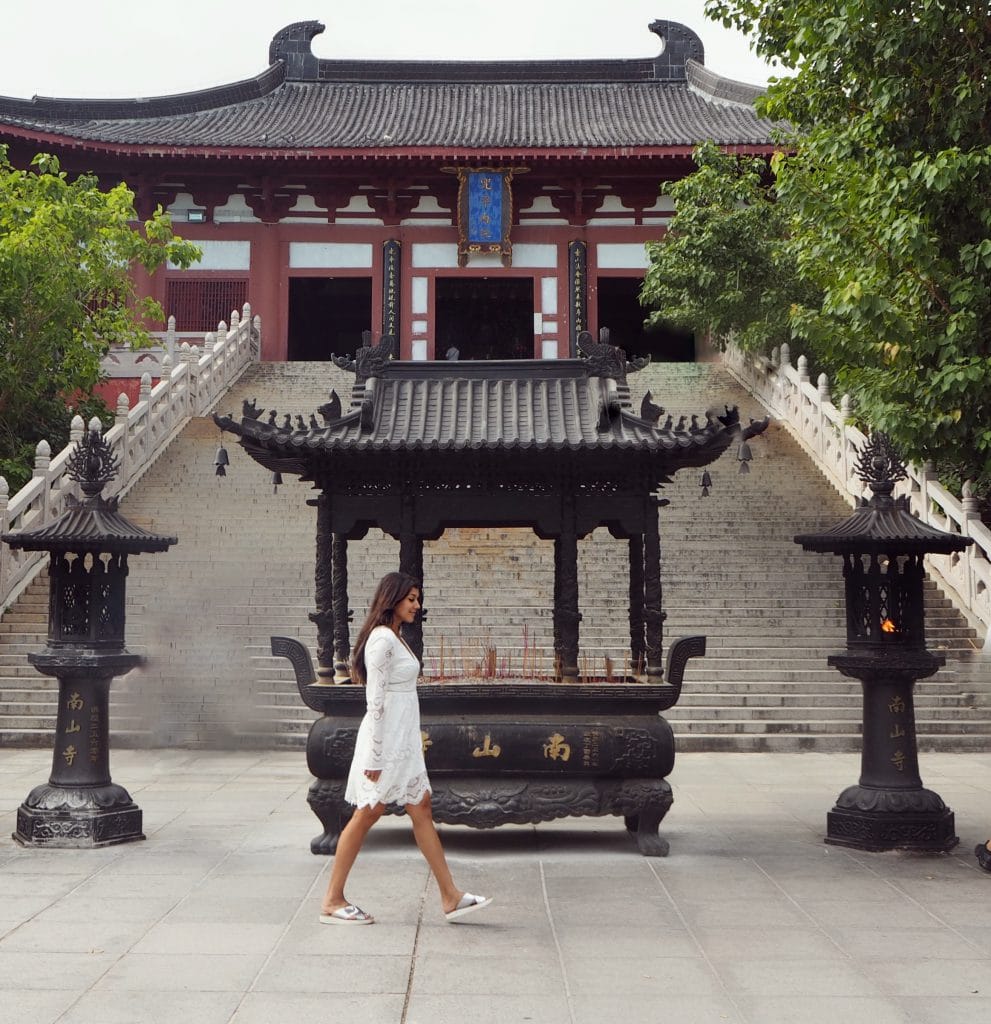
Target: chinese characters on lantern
<point>897,709</point>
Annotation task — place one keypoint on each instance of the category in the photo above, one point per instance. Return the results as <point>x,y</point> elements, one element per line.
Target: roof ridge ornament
<point>291,45</point>
<point>369,360</point>
<point>602,358</point>
<point>605,359</point>
<point>681,44</point>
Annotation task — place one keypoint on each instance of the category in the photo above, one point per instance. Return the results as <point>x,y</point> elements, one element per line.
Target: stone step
<point>26,736</point>
<point>243,571</point>
<point>810,713</point>
<point>833,726</point>
<point>787,704</point>
<point>796,743</point>
<point>704,689</point>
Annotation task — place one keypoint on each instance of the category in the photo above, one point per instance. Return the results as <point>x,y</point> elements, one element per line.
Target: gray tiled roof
<point>451,412</point>
<point>883,525</point>
<point>301,102</point>
<point>90,525</point>
<point>358,115</point>
<point>512,406</point>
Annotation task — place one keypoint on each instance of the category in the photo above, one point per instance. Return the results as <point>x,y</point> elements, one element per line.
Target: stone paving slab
<point>750,920</point>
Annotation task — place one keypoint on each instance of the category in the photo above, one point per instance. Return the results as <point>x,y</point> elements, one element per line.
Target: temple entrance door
<point>484,317</point>
<point>327,316</point>
<point>621,312</point>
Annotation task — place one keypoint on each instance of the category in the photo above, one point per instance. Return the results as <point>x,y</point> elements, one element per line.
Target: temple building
<point>495,208</point>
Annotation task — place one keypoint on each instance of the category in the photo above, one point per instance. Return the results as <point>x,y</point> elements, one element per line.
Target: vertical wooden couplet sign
<point>391,263</point>
<point>578,292</point>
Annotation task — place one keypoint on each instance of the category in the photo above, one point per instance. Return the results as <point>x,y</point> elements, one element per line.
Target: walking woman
<point>388,762</point>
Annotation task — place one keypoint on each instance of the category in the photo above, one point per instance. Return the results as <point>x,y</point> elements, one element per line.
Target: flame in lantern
<point>888,626</point>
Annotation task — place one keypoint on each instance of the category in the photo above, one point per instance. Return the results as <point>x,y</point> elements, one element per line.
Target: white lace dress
<point>389,736</point>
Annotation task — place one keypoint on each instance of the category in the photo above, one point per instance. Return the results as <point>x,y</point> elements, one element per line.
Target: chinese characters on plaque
<point>485,212</point>
<point>578,290</point>
<point>391,251</point>
<point>555,747</point>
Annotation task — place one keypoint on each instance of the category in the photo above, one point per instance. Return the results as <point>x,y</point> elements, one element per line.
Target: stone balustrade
<point>833,443</point>
<point>189,386</point>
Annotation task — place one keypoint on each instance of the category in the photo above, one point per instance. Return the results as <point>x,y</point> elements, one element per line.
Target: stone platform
<point>750,920</point>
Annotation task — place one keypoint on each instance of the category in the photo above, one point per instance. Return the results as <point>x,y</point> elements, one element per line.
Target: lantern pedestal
<point>88,545</point>
<point>80,806</point>
<point>883,548</point>
<point>889,809</point>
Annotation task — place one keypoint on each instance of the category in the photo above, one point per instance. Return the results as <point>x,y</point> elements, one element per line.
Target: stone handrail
<point>189,387</point>
<point>833,443</point>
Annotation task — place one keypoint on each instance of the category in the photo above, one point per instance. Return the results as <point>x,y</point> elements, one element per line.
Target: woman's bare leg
<point>348,846</point>
<point>425,833</point>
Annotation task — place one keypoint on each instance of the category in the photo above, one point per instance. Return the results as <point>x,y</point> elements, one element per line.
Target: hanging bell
<point>705,483</point>
<point>276,480</point>
<point>744,455</point>
<point>221,461</point>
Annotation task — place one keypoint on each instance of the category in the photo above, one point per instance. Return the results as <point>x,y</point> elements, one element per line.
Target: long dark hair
<point>392,588</point>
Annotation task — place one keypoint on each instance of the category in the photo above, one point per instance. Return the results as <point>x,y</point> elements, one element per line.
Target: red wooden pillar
<point>266,289</point>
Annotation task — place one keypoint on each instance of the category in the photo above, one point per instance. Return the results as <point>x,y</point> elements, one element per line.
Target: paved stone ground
<point>751,920</point>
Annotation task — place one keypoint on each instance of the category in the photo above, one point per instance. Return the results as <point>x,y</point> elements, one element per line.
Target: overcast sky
<point>94,48</point>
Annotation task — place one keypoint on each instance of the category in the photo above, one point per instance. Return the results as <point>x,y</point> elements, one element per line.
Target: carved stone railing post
<point>4,526</point>
<point>121,420</point>
<point>42,460</point>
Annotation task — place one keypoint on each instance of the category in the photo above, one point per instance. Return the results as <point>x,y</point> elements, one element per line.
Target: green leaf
<point>66,295</point>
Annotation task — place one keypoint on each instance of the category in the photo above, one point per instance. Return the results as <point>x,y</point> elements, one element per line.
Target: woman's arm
<point>379,652</point>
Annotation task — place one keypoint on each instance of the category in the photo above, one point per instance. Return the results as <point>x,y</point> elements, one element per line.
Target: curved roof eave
<point>184,102</point>
<point>152,151</point>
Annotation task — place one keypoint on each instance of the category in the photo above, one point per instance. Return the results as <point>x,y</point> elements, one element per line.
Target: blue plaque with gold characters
<point>484,207</point>
<point>485,212</point>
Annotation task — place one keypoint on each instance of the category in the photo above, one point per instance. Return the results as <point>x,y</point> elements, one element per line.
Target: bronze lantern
<point>883,547</point>
<point>88,546</point>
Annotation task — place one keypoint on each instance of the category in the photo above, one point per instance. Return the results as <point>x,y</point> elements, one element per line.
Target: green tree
<point>723,264</point>
<point>66,295</point>
<point>886,187</point>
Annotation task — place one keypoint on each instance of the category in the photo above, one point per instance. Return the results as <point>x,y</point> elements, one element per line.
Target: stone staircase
<point>243,570</point>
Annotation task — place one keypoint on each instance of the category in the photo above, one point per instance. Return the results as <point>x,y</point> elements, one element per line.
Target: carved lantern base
<point>78,818</point>
<point>890,819</point>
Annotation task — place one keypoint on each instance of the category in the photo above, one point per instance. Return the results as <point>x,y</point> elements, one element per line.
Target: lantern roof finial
<point>880,466</point>
<point>883,523</point>
<point>92,463</point>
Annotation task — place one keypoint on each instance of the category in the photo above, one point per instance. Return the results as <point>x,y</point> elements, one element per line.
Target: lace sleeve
<point>379,652</point>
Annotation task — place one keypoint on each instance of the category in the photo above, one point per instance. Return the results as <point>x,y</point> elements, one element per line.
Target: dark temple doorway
<point>621,312</point>
<point>484,317</point>
<point>327,316</point>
